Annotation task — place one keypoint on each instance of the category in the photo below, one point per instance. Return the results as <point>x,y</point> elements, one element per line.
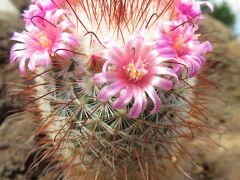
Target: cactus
<point>115,84</point>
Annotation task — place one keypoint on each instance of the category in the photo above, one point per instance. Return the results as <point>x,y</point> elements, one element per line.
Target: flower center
<point>136,71</point>
<point>180,43</point>
<point>43,39</point>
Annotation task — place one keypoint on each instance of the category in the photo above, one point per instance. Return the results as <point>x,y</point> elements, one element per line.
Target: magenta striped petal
<point>162,83</point>
<point>124,99</point>
<point>20,37</point>
<point>109,91</point>
<point>154,97</point>
<point>145,102</point>
<point>15,55</point>
<point>128,49</point>
<point>44,58</point>
<point>166,71</point>
<point>32,62</point>
<point>116,54</point>
<point>167,52</point>
<point>138,103</point>
<point>62,50</point>
<point>69,39</point>
<point>138,45</point>
<point>22,65</point>
<point>101,78</point>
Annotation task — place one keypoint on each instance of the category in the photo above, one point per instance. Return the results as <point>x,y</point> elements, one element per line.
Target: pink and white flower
<point>38,13</point>
<point>192,9</point>
<point>178,41</point>
<point>59,3</point>
<point>39,45</point>
<point>134,72</point>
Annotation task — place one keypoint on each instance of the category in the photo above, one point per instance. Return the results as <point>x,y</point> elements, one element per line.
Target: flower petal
<point>162,83</point>
<point>116,54</point>
<point>138,103</point>
<point>166,71</point>
<point>156,100</point>
<point>69,39</point>
<point>109,91</point>
<point>101,78</point>
<point>124,98</point>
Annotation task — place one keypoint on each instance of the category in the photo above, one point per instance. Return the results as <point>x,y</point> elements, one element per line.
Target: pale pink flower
<point>178,41</point>
<point>59,3</point>
<point>133,72</point>
<point>38,46</point>
<point>192,9</point>
<point>41,12</point>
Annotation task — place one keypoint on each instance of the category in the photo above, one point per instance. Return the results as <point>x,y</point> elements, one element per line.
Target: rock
<point>10,22</point>
<point>8,79</point>
<point>21,4</point>
<point>222,163</point>
<point>15,145</point>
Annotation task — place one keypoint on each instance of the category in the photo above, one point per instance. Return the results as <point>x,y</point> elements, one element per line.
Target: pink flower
<point>40,45</point>
<point>41,12</point>
<point>134,71</point>
<point>59,3</point>
<point>179,42</point>
<point>192,9</point>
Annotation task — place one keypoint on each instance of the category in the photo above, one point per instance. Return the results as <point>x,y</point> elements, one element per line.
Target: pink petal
<point>128,49</point>
<point>44,59</point>
<point>124,98</point>
<point>138,103</point>
<point>14,55</point>
<point>116,54</point>
<point>20,37</point>
<point>62,50</point>
<point>66,25</point>
<point>166,71</point>
<point>156,100</point>
<point>105,65</point>
<point>101,78</point>
<point>22,65</point>
<point>205,47</point>
<point>69,39</point>
<point>162,83</point>
<point>145,103</point>
<point>163,70</point>
<point>32,62</point>
<point>18,46</point>
<point>167,52</point>
<point>138,45</point>
<point>109,91</point>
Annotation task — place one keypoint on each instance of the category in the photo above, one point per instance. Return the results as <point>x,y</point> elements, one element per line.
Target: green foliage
<point>223,12</point>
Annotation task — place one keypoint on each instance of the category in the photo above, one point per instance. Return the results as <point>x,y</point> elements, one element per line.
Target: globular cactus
<point>114,84</point>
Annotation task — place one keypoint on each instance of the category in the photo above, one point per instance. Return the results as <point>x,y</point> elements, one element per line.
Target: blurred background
<point>228,11</point>
<point>222,162</point>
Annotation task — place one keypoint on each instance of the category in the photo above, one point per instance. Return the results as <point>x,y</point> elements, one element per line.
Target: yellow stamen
<point>180,42</point>
<point>43,39</point>
<point>136,71</point>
